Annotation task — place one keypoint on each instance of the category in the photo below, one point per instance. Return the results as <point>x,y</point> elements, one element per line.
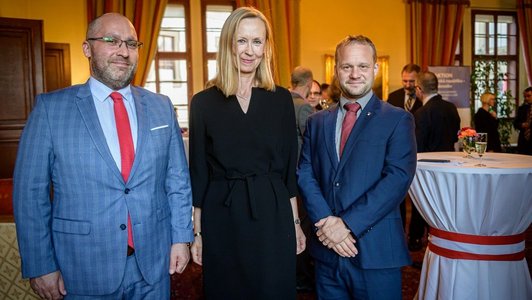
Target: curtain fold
<point>524,19</point>
<point>146,17</point>
<point>284,19</point>
<point>435,27</point>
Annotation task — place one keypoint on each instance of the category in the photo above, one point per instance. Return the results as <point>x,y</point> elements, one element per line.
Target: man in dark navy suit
<point>353,180</point>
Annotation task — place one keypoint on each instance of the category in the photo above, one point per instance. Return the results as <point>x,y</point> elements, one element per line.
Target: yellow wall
<point>65,21</point>
<point>324,23</point>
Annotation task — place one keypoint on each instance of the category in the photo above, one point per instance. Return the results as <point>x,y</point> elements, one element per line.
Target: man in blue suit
<point>352,190</point>
<point>119,217</point>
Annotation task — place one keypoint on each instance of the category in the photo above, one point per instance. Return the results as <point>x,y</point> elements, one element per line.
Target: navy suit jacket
<point>364,187</point>
<point>81,232</point>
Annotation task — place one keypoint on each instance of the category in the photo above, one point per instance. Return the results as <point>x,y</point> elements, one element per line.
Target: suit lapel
<point>88,113</point>
<point>329,128</point>
<point>142,130</point>
<point>361,124</point>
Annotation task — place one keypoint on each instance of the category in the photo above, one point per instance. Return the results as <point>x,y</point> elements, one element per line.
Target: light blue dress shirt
<point>341,115</point>
<point>105,110</point>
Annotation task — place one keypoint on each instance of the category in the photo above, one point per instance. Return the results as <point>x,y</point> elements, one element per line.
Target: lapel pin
<point>368,114</point>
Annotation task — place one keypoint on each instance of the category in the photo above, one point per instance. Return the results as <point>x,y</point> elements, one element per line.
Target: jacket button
<point>127,191</point>
<point>336,184</point>
<point>123,226</point>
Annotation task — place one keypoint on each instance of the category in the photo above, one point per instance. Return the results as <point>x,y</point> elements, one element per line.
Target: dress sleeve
<point>290,132</point>
<point>198,154</point>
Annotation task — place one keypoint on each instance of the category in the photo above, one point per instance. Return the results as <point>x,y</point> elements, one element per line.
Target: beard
<point>111,75</point>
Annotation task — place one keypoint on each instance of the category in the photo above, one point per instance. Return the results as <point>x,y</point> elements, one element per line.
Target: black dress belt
<point>248,178</point>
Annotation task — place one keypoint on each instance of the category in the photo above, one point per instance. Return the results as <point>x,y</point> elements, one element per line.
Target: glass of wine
<point>481,143</point>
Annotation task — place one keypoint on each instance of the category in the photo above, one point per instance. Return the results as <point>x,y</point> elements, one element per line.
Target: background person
<point>523,123</point>
<point>405,98</point>
<point>115,165</point>
<point>486,121</point>
<point>314,97</point>
<point>243,153</point>
<point>301,81</point>
<point>352,189</point>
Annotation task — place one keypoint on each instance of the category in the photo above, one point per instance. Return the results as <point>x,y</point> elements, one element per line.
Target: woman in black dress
<point>486,121</point>
<point>243,153</point>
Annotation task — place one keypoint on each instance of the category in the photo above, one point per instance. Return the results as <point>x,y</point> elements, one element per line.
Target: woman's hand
<point>301,240</point>
<point>197,250</point>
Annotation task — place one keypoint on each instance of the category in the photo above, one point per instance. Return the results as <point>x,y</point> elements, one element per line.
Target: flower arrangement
<point>466,131</point>
<point>467,136</point>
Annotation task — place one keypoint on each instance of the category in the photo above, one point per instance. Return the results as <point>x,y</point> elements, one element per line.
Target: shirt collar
<point>428,97</point>
<point>362,101</point>
<point>101,92</point>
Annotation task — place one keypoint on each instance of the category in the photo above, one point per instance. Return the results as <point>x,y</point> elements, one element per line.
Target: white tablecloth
<point>459,197</point>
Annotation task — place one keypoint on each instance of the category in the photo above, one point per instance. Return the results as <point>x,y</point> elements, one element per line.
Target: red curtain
<point>524,19</point>
<point>146,16</point>
<point>435,27</point>
<point>284,19</point>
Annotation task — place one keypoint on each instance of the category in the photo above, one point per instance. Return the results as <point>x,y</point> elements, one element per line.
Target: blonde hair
<point>485,98</point>
<point>227,76</point>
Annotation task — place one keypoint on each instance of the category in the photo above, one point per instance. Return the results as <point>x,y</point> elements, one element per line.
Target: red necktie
<point>348,123</point>
<point>127,151</point>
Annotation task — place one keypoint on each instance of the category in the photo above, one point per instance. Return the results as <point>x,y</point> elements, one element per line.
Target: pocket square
<point>159,127</point>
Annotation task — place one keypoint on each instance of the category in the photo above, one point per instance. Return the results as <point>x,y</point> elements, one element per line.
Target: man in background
<point>405,98</point>
<point>437,125</point>
<point>357,162</point>
<point>301,83</point>
<point>120,218</point>
<point>523,123</point>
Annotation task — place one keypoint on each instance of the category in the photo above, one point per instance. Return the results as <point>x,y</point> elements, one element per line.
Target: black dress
<point>485,122</point>
<point>243,176</point>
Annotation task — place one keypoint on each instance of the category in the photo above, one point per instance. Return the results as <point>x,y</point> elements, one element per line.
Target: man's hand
<point>49,286</point>
<point>346,248</point>
<point>179,256</point>
<point>331,231</point>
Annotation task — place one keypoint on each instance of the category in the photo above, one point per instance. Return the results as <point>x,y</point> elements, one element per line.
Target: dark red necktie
<point>348,123</point>
<point>127,151</point>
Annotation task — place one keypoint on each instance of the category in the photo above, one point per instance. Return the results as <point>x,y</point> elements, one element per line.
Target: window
<point>495,54</point>
<point>170,70</point>
<point>214,15</point>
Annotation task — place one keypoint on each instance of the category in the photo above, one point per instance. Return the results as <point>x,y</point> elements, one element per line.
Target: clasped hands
<point>334,234</point>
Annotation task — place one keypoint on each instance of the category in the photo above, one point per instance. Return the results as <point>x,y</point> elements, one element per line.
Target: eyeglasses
<point>117,43</point>
<point>314,94</point>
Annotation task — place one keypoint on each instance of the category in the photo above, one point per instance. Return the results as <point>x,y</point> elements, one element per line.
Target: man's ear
<point>86,49</point>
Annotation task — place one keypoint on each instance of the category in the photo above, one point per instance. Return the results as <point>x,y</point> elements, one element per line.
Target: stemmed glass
<point>481,143</point>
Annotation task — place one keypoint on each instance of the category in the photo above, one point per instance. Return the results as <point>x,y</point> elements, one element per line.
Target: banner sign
<point>453,84</point>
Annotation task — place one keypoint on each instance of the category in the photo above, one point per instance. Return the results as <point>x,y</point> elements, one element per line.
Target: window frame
<point>514,58</point>
<point>186,56</point>
<point>209,55</point>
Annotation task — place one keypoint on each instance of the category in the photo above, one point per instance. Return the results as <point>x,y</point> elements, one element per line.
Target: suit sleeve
<point>397,174</point>
<point>31,194</point>
<point>315,203</point>
<point>178,185</point>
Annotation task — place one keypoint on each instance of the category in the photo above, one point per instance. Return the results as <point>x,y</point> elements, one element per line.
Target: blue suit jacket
<point>366,186</point>
<point>81,232</point>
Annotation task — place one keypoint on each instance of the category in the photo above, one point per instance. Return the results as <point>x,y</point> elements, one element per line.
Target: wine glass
<point>481,143</point>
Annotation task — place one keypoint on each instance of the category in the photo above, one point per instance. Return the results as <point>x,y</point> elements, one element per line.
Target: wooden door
<point>21,79</point>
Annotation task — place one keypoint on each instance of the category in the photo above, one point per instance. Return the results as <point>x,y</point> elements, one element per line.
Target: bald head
<point>106,20</point>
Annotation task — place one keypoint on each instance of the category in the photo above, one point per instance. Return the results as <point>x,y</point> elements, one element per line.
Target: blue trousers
<point>345,281</point>
<point>133,287</point>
